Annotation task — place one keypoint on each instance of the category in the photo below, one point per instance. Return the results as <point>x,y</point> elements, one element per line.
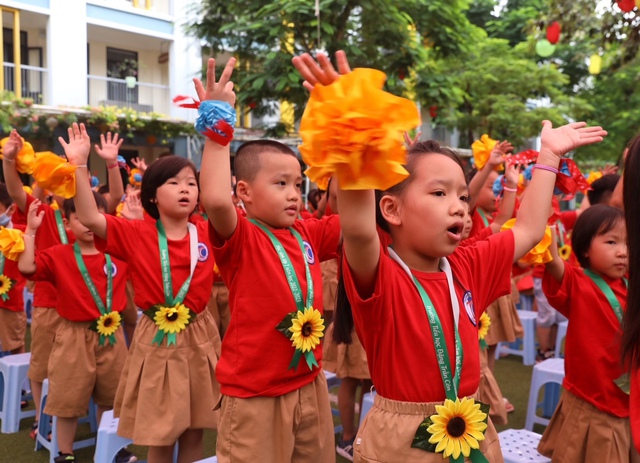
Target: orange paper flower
<point>54,173</point>
<point>540,254</point>
<point>11,243</point>
<point>593,176</point>
<point>482,150</point>
<point>353,128</point>
<point>25,158</point>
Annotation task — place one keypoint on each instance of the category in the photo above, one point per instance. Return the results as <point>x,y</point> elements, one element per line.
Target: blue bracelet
<point>216,120</point>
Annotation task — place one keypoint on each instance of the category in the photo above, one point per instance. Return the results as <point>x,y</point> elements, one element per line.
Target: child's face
<point>81,232</point>
<point>486,200</point>
<point>607,253</point>
<point>433,207</point>
<point>468,224</point>
<point>178,196</point>
<point>273,195</point>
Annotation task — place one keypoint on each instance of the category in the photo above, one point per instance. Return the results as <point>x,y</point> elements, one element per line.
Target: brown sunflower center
<point>108,322</point>
<point>456,426</point>
<point>307,329</point>
<point>172,317</point>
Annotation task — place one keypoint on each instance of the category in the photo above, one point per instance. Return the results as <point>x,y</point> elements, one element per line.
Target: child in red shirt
<point>419,360</point>
<point>271,363</point>
<point>591,422</point>
<point>168,389</point>
<point>89,349</point>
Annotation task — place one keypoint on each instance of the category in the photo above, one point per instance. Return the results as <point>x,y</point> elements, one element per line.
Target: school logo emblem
<point>114,269</point>
<point>468,306</point>
<point>308,253</point>
<point>203,252</point>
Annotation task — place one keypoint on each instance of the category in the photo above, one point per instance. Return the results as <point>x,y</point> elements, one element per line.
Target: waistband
<point>408,408</point>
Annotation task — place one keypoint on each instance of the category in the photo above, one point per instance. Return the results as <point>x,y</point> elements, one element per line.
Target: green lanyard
<point>451,383</point>
<point>104,308</point>
<point>289,271</point>
<point>608,292</point>
<point>61,230</point>
<point>485,221</point>
<point>560,233</point>
<point>165,265</point>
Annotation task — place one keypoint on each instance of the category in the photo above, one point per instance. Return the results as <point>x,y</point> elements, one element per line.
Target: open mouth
<point>455,231</point>
<point>184,201</point>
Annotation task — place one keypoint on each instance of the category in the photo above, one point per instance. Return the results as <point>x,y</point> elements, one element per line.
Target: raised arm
<point>77,151</point>
<point>495,159</point>
<point>508,203</point>
<point>556,266</point>
<point>11,176</point>
<point>534,210</point>
<point>215,170</point>
<point>108,150</point>
<point>27,260</point>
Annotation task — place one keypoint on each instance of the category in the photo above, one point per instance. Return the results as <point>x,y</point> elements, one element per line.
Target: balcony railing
<point>141,96</point>
<point>33,82</point>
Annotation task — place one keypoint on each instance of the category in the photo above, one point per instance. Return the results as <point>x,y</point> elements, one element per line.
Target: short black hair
<point>103,189</point>
<point>594,221</point>
<point>599,188</point>
<point>69,207</point>
<point>246,163</point>
<point>5,198</point>
<point>156,175</point>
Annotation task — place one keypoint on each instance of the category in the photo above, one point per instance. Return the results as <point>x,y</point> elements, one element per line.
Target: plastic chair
<point>562,333</point>
<point>549,371</point>
<point>49,425</point>
<point>367,404</point>
<point>526,302</point>
<point>13,373</point>
<point>109,443</point>
<point>521,446</point>
<point>528,351</point>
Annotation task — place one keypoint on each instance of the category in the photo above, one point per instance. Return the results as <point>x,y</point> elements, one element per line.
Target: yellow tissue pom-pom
<point>540,254</point>
<point>52,172</point>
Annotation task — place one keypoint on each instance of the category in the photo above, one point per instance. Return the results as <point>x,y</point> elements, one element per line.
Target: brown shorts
<point>580,432</point>
<point>388,430</point>
<point>346,361</point>
<point>296,427</point>
<point>166,390</point>
<point>79,368</point>
<point>44,323</point>
<point>505,323</point>
<point>219,307</point>
<point>13,327</point>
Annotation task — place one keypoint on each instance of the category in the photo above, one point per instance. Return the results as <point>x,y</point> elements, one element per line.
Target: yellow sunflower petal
<point>442,445</point>
<point>471,441</point>
<point>451,447</point>
<point>465,448</point>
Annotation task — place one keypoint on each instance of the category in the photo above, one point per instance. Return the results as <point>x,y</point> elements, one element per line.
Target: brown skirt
<point>489,392</point>
<point>329,284</point>
<point>505,323</point>
<point>346,361</point>
<point>164,390</point>
<point>579,432</point>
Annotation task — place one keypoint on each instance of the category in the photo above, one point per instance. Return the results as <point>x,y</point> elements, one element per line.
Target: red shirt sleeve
<point>558,293</point>
<point>325,236</point>
<point>45,266</point>
<point>122,237</point>
<point>481,235</point>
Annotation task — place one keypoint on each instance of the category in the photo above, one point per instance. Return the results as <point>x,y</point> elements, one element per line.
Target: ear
<point>65,221</point>
<point>390,208</point>
<point>243,191</point>
<point>10,210</point>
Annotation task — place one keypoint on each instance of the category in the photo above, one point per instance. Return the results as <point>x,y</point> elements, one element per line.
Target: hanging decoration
<point>544,48</point>
<point>553,32</point>
<point>595,64</point>
<point>626,5</point>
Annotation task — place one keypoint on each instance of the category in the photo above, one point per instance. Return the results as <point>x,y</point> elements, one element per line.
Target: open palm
<point>568,137</point>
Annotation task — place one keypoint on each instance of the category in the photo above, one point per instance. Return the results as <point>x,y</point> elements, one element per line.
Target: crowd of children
<point>245,298</point>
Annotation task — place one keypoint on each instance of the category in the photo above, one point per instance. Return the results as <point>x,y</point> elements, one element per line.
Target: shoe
<point>345,449</point>
<point>34,430</point>
<point>542,356</point>
<point>64,458</point>
<point>124,456</point>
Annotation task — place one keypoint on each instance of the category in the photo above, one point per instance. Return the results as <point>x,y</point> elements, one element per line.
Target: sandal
<point>34,430</point>
<point>508,406</point>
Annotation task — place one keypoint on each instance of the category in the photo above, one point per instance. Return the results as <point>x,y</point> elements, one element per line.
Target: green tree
<point>515,20</point>
<point>382,34</point>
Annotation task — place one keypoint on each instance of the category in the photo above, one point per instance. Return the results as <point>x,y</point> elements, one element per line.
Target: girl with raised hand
<point>416,303</point>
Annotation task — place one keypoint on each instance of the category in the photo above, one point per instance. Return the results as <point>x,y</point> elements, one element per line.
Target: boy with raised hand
<point>45,320</point>
<point>270,368</point>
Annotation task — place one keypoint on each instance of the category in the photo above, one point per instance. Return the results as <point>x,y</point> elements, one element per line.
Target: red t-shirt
<point>483,234</point>
<point>568,221</point>
<point>15,303</point>
<point>479,223</point>
<point>44,293</point>
<point>255,356</point>
<point>592,346</point>
<point>57,265</point>
<point>136,242</point>
<point>393,327</point>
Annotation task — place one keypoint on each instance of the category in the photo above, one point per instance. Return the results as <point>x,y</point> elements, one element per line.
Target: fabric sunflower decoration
<point>54,173</point>
<point>11,243</point>
<point>483,328</point>
<point>540,254</point>
<point>353,129</point>
<point>304,329</point>
<point>106,326</point>
<point>455,430</point>
<point>565,252</point>
<point>482,150</point>
<point>6,284</point>
<point>25,158</point>
<point>170,321</point>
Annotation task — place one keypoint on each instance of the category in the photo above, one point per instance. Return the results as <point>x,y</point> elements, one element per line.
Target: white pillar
<point>185,61</point>
<point>67,52</point>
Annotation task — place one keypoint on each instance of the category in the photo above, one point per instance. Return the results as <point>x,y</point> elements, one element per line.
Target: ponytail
<point>343,316</point>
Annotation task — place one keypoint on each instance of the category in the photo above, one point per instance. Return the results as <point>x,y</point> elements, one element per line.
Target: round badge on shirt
<point>114,269</point>
<point>308,253</point>
<point>203,252</point>
<point>468,306</point>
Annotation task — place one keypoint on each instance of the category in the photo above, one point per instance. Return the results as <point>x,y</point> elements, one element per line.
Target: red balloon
<point>626,5</point>
<point>553,32</point>
<point>433,111</point>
